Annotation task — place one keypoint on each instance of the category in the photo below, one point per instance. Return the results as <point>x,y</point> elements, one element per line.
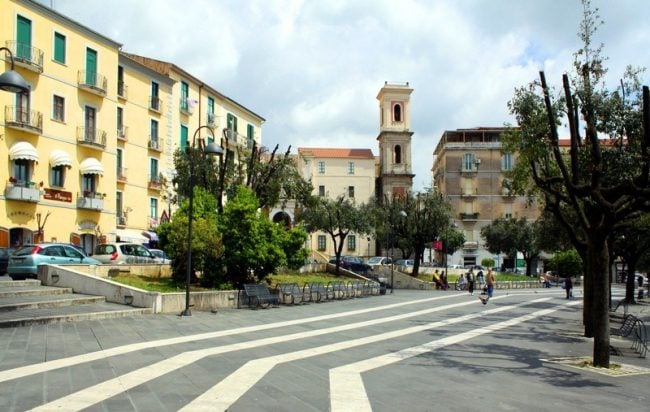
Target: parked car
<point>123,253</point>
<point>24,262</point>
<point>379,261</point>
<point>352,263</point>
<point>404,262</point>
<point>5,252</point>
<point>161,256</point>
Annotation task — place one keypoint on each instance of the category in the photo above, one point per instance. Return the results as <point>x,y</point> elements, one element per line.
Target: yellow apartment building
<point>89,150</point>
<point>469,169</point>
<point>336,173</point>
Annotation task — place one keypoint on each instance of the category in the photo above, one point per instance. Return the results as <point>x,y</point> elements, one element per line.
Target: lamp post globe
<point>11,81</point>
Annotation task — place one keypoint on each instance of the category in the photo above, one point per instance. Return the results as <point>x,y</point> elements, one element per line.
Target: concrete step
<point>6,281</point>
<point>18,302</point>
<point>36,316</point>
<point>32,290</point>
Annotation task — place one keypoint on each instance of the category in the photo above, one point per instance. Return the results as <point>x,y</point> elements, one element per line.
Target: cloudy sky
<point>312,68</point>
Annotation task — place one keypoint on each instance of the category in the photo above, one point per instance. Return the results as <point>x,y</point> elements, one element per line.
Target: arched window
<point>398,154</point>
<point>397,112</point>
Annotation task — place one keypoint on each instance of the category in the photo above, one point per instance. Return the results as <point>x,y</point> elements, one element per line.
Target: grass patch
<point>153,284</point>
<point>302,278</point>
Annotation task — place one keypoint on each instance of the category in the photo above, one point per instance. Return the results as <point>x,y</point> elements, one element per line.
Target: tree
<point>207,247</point>
<point>338,218</point>
<point>601,181</point>
<point>425,217</point>
<point>631,243</point>
<point>253,244</point>
<point>566,263</point>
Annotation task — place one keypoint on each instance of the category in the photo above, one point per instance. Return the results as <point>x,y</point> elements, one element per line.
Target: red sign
<point>58,195</point>
<point>437,244</point>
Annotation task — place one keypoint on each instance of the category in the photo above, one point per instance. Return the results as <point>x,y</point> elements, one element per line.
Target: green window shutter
<point>184,141</point>
<point>23,38</point>
<point>59,47</point>
<point>91,66</point>
<point>250,132</point>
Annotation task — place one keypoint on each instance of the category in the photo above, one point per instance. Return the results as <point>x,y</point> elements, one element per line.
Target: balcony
<point>29,121</point>
<point>23,191</point>
<point>121,175</point>
<point>122,133</point>
<point>468,216</point>
<point>26,56</point>
<point>120,221</point>
<point>155,144</point>
<point>469,193</point>
<point>186,107</point>
<point>155,104</point>
<point>90,201</point>
<point>212,120</point>
<point>91,137</point>
<point>122,91</point>
<point>92,82</point>
<point>155,182</point>
<point>470,245</point>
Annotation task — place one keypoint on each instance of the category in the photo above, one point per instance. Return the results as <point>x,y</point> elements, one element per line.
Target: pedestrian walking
<point>491,282</point>
<point>480,278</point>
<point>470,281</point>
<point>568,287</point>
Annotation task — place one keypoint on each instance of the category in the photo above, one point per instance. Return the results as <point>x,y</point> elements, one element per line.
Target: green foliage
<point>293,245</point>
<point>566,263</point>
<point>487,262</point>
<point>253,243</point>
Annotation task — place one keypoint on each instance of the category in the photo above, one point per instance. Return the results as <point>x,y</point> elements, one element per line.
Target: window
<point>351,191</point>
<point>352,242</point>
<point>322,242</point>
<point>120,122</point>
<point>120,81</point>
<point>185,95</point>
<point>350,168</point>
<point>153,208</point>
<point>397,154</point>
<point>468,161</point>
<point>23,107</point>
<point>59,47</point>
<point>153,170</point>
<point>231,122</point>
<point>118,206</point>
<point>397,112</point>
<point>88,183</point>
<point>184,137</point>
<point>90,117</point>
<point>508,215</point>
<point>153,130</point>
<point>321,167</point>
<point>22,170</point>
<point>119,163</point>
<point>506,162</point>
<point>321,191</point>
<point>58,176</point>
<point>250,132</point>
<point>58,108</point>
<point>155,100</point>
<point>210,105</point>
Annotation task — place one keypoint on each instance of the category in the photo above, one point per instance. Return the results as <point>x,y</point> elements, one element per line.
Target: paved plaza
<point>407,351</point>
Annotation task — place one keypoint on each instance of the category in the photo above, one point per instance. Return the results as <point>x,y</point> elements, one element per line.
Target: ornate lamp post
<point>11,81</point>
<point>210,149</point>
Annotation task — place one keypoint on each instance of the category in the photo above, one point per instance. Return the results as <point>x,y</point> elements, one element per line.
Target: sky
<point>313,68</point>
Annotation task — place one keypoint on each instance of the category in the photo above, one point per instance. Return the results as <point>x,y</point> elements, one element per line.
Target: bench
<point>633,327</point>
<point>338,289</point>
<point>319,292</point>
<point>293,293</point>
<point>259,296</point>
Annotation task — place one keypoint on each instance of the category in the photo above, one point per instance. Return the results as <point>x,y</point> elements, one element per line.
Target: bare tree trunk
<point>598,256</point>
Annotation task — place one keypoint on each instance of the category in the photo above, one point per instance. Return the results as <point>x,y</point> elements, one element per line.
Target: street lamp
<point>210,149</point>
<point>11,81</point>
<point>392,244</point>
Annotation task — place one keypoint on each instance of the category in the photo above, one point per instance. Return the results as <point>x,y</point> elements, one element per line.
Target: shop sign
<point>58,195</point>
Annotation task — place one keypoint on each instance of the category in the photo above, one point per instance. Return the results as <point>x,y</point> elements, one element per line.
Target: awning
<point>60,158</point>
<point>91,166</point>
<point>23,150</point>
<point>131,235</point>
<point>153,237</point>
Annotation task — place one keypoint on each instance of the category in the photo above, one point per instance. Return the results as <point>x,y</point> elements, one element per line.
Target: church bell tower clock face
<point>395,139</point>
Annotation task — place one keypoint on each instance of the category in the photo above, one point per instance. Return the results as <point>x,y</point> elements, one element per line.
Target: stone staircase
<point>27,302</point>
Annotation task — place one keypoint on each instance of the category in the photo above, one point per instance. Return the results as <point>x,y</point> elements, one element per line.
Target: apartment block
<point>469,168</point>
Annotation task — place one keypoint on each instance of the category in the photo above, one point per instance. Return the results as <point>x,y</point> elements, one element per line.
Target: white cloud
<point>313,68</point>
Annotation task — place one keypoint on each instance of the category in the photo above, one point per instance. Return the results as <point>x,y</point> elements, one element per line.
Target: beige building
<point>469,169</point>
<point>89,150</point>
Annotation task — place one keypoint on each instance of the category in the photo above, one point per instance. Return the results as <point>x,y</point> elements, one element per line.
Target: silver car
<point>123,253</point>
<point>25,261</point>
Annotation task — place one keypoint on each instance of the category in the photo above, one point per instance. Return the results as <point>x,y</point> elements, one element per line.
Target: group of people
<point>468,281</point>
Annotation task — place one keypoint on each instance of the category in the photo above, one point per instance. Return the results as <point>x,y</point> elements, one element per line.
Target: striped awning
<point>23,150</point>
<point>91,166</point>
<point>60,158</point>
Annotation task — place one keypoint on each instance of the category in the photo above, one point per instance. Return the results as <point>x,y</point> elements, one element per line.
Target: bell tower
<point>395,174</point>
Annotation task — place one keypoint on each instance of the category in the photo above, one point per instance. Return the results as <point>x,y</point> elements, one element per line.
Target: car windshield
<point>24,251</point>
<point>376,259</point>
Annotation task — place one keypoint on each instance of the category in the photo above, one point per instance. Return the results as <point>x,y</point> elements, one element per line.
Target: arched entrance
<point>282,218</point>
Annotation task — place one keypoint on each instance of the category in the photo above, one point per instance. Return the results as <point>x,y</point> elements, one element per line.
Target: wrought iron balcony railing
<point>27,120</point>
<point>91,137</point>
<point>155,104</point>
<point>93,82</point>
<point>26,55</point>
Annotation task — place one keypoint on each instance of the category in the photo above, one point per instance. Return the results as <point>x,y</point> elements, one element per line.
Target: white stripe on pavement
<point>97,393</point>
<point>347,391</point>
<point>221,396</point>
<point>28,370</point>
